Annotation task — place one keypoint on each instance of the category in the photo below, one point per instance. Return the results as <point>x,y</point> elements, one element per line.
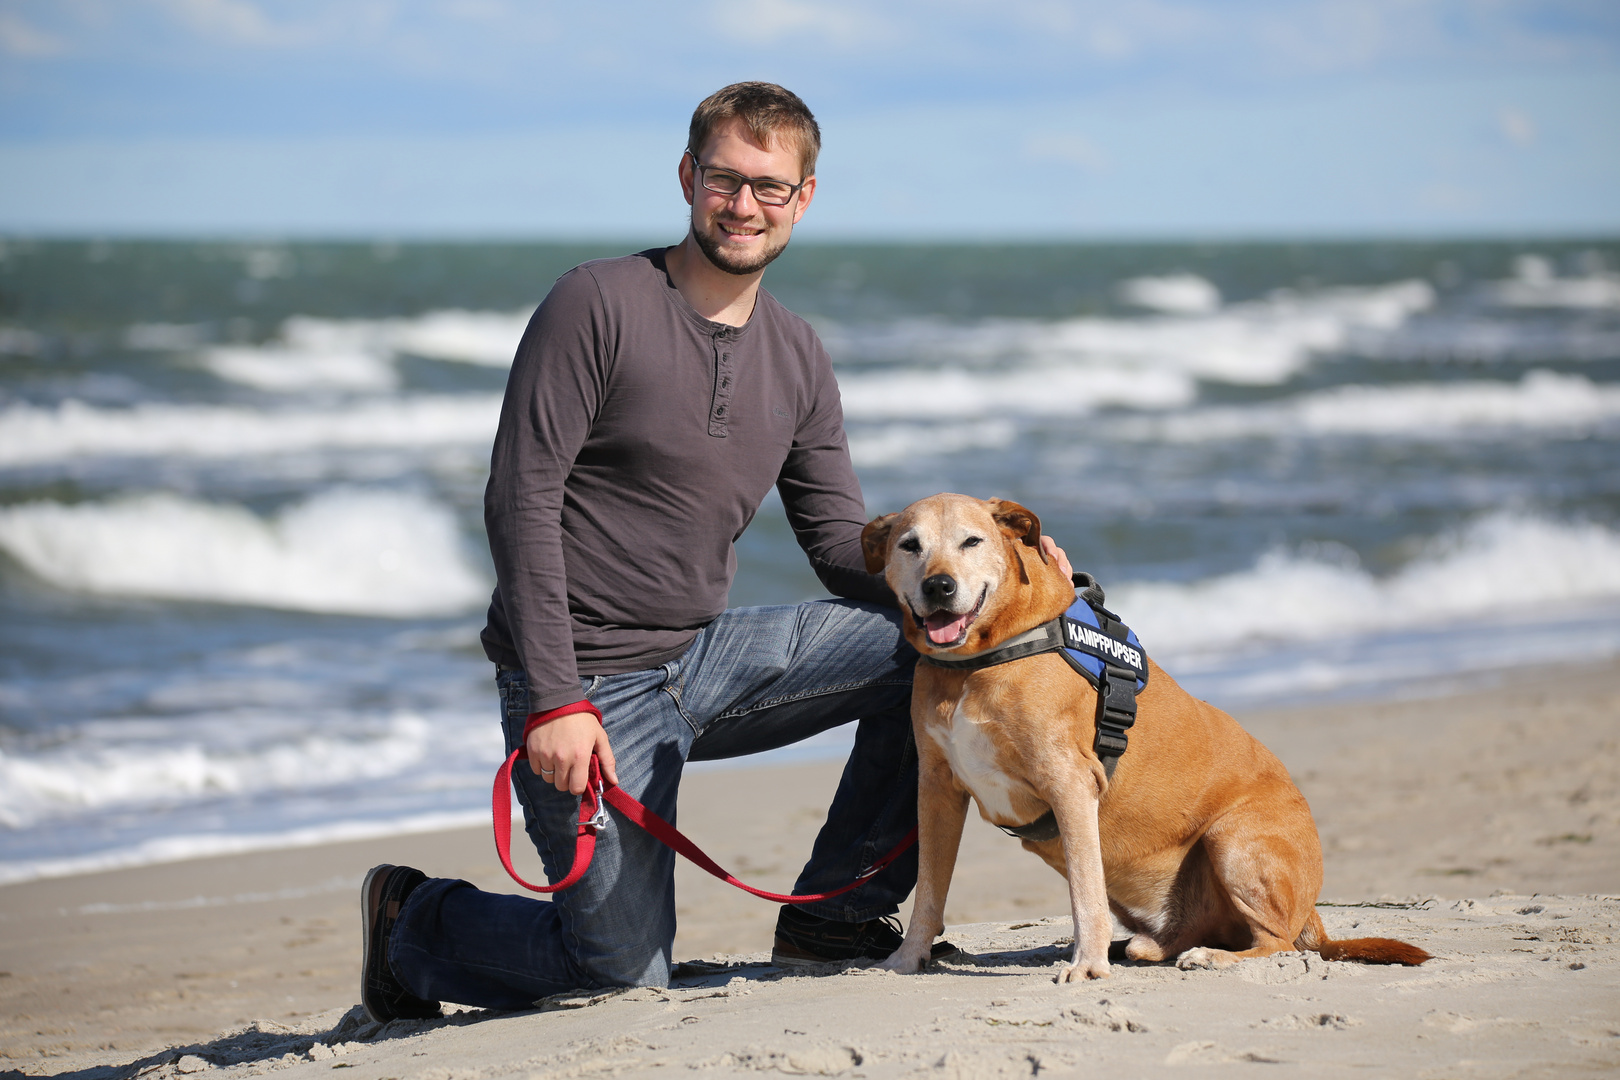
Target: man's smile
<point>739,230</point>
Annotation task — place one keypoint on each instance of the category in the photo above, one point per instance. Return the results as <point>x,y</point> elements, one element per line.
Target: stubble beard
<point>731,262</point>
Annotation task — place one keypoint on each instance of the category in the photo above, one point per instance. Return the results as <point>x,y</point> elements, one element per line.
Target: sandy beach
<point>1482,824</point>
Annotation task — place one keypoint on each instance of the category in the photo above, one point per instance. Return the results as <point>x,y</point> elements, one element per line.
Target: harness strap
<point>593,816</point>
<point>1116,713</point>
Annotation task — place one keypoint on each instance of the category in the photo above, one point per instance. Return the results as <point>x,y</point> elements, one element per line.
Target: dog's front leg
<point>1088,893</point>
<point>941,811</point>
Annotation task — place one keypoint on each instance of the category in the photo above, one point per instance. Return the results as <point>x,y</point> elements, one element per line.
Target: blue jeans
<point>752,680</point>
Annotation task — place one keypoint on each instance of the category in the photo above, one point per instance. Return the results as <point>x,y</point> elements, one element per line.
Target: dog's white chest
<point>973,759</point>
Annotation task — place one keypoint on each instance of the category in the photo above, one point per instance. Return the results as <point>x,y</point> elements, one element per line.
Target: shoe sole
<point>788,956</point>
<point>370,907</point>
<point>784,955</point>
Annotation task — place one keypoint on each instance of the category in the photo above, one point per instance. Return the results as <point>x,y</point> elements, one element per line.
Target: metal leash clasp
<point>599,819</point>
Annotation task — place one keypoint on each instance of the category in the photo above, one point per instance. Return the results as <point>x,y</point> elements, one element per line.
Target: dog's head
<point>962,568</point>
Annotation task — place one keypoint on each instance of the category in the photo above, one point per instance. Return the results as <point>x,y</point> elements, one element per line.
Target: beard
<point>733,262</point>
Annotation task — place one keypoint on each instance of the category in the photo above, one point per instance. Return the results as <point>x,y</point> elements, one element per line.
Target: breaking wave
<point>283,369</point>
<point>1535,284</point>
<point>1260,343</point>
<point>962,393</point>
<point>98,774</point>
<point>32,434</point>
<point>1174,294</point>
<point>893,443</point>
<point>182,846</point>
<point>341,551</point>
<point>484,338</point>
<point>1500,565</point>
<point>1541,401</point>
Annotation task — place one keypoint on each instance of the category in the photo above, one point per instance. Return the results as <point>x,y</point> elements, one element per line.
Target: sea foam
<point>1260,343</point>
<point>31,434</point>
<point>960,393</point>
<point>890,444</point>
<point>484,338</point>
<point>1498,567</point>
<point>97,774</point>
<point>1541,401</point>
<point>1536,285</point>
<point>343,551</point>
<point>285,369</point>
<point>1175,294</point>
<point>182,846</point>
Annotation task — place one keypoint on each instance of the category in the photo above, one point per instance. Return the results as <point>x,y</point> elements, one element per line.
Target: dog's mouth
<point>947,629</point>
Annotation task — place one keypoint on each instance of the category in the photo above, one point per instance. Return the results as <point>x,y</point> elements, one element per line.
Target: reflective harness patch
<point>1103,650</point>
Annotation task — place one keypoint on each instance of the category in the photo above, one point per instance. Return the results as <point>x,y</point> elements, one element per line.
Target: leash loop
<point>593,815</point>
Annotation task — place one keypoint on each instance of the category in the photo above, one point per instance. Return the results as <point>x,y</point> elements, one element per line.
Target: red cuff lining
<point>539,718</point>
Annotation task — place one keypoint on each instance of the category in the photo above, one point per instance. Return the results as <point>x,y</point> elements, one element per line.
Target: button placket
<point>724,378</point>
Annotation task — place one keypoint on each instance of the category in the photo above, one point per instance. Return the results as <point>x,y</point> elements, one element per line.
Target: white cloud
<point>19,39</point>
<point>1517,125</point>
<point>777,19</point>
<point>232,20</point>
<point>1073,150</point>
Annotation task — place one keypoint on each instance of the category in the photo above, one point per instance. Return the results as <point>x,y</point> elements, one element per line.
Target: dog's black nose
<point>938,588</point>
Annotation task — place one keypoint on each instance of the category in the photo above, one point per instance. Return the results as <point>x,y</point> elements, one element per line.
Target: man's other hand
<point>560,752</point>
<point>1049,546</point>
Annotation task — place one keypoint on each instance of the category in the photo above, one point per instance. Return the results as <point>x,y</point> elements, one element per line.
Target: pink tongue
<point>944,628</point>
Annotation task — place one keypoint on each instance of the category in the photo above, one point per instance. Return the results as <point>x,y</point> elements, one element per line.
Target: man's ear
<point>1018,523</point>
<point>875,542</point>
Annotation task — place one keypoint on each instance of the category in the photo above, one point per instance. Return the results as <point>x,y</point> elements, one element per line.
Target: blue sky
<point>951,118</point>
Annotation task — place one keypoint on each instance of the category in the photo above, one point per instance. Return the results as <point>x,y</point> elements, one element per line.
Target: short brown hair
<point>770,112</point>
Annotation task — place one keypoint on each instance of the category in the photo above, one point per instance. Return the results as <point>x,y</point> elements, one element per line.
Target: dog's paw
<point>1208,959</point>
<point>904,962</point>
<point>1081,970</point>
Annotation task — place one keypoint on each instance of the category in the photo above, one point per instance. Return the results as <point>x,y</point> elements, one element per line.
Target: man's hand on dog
<point>560,752</point>
<point>1049,546</point>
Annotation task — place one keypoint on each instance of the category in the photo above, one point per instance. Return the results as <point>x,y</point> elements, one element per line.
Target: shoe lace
<point>889,922</point>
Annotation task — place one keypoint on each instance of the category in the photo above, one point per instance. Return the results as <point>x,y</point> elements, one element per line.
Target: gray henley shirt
<point>636,442</point>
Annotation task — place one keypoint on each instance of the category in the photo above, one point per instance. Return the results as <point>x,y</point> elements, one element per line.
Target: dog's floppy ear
<point>875,542</point>
<point>1017,522</point>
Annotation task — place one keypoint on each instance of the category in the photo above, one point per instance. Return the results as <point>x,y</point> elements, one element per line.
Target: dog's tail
<point>1366,950</point>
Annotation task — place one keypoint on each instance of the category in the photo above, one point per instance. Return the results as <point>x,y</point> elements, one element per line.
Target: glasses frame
<point>747,181</point>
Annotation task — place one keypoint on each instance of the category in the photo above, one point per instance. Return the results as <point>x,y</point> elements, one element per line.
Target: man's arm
<point>552,395</point>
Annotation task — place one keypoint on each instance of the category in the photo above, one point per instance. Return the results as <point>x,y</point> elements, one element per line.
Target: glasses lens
<point>721,182</point>
<point>771,191</point>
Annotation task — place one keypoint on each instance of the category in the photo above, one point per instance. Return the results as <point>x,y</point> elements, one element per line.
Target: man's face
<point>739,234</point>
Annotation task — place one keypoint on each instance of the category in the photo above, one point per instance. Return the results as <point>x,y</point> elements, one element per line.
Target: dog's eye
<point>910,544</point>
<point>972,541</point>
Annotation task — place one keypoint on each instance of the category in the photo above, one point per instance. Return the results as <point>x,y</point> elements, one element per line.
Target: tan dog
<point>1200,843</point>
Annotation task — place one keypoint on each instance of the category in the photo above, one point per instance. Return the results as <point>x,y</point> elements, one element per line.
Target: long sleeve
<point>552,397</point>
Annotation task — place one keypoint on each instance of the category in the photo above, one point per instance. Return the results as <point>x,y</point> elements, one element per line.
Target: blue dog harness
<point>1103,650</point>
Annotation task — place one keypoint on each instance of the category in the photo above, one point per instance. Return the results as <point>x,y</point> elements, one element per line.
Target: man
<point>654,401</point>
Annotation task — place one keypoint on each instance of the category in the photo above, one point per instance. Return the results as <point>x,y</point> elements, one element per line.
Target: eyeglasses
<point>725,182</point>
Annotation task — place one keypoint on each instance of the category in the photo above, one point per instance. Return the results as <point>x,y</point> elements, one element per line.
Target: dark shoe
<point>382,894</point>
<point>804,940</point>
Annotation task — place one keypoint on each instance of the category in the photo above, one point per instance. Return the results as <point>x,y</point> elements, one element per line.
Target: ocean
<point>242,563</point>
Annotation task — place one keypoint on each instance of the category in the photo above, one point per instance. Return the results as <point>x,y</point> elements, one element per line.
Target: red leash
<point>593,815</point>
